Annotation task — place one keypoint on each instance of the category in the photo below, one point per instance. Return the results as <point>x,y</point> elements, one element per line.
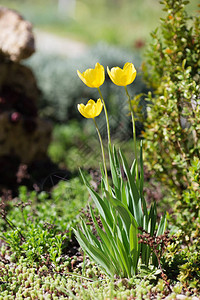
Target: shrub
<point>188,207</point>
<point>172,68</point>
<point>172,128</point>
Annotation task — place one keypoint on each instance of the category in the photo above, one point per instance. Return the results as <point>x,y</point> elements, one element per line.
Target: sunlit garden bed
<point>124,222</point>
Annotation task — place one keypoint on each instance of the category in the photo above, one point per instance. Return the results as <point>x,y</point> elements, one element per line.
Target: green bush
<point>62,90</point>
<point>172,128</point>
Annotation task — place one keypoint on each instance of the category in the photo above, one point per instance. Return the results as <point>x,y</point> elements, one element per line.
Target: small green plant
<point>121,205</point>
<point>38,227</point>
<point>20,281</point>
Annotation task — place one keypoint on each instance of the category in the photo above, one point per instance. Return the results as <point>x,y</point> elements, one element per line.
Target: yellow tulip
<point>122,77</point>
<point>92,109</point>
<point>93,78</point>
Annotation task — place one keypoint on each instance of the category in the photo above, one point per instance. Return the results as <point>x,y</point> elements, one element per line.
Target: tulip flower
<point>92,109</point>
<point>93,78</point>
<point>122,77</point>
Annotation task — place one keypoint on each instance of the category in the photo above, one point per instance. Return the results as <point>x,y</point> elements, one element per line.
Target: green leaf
<point>114,173</point>
<point>106,238</point>
<point>129,177</point>
<point>152,218</point>
<point>124,257</point>
<point>162,225</point>
<point>134,198</point>
<point>123,196</point>
<point>94,253</point>
<point>124,212</point>
<point>141,170</point>
<point>133,168</point>
<point>101,205</point>
<point>91,237</point>
<point>133,239</point>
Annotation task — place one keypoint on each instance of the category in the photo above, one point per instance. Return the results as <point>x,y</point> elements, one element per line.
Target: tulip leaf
<point>141,170</point>
<point>152,218</point>
<point>124,257</point>
<point>106,238</point>
<point>100,203</point>
<point>115,171</point>
<point>162,225</point>
<point>94,253</point>
<point>124,212</point>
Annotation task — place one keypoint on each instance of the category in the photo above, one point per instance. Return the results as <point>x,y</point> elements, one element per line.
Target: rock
<point>22,133</point>
<point>24,138</point>
<point>16,36</point>
<point>18,79</point>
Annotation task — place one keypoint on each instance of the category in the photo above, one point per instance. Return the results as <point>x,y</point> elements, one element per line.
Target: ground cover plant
<point>39,226</point>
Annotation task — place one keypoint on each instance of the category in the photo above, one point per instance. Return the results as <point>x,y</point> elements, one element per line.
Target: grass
<point>124,23</point>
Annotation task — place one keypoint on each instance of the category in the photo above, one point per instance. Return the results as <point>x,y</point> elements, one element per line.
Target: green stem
<point>134,133</point>
<point>103,153</point>
<point>106,114</point>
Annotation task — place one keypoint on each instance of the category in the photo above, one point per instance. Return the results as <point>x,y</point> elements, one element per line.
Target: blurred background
<point>75,34</point>
<point>120,22</point>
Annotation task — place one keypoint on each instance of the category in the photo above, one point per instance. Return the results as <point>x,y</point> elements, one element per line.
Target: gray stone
<point>16,36</point>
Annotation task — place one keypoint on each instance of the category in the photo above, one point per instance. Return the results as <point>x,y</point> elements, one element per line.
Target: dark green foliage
<point>62,90</point>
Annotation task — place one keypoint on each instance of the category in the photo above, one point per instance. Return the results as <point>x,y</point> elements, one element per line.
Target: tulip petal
<point>99,107</point>
<point>81,109</point>
<point>81,76</point>
<point>93,78</point>
<point>122,77</point>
